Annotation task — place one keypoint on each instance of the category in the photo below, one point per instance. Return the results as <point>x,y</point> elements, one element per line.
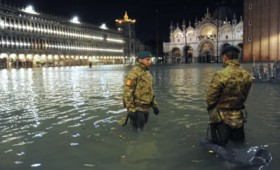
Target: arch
<point>206,52</point>
<point>226,32</point>
<point>176,55</point>
<point>3,55</point>
<point>188,54</point>
<point>29,60</point>
<point>208,30</point>
<point>3,60</point>
<point>39,60</point>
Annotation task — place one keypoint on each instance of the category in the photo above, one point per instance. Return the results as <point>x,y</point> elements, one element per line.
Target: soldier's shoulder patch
<point>128,82</point>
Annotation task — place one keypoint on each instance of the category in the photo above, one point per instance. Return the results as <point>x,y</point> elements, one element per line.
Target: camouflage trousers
<point>233,118</point>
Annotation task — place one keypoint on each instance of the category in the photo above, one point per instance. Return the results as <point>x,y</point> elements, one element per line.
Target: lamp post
<point>157,34</point>
<point>217,59</point>
<point>218,26</point>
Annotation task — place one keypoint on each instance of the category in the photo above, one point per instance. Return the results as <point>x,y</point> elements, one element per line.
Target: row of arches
<point>41,60</point>
<point>207,52</point>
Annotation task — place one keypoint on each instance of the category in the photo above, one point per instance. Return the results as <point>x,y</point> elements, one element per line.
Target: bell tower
<point>127,27</point>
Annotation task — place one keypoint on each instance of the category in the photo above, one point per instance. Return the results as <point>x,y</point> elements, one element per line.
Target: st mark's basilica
<point>203,41</point>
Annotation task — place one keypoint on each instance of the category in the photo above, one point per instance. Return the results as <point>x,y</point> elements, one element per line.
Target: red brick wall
<point>264,31</point>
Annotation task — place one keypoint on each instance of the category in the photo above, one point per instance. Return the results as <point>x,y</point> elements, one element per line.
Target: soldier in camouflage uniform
<point>226,96</point>
<point>138,92</point>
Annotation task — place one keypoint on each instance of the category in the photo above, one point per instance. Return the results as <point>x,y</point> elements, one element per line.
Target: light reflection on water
<point>71,118</point>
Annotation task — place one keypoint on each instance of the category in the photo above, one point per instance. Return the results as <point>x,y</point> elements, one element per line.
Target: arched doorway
<point>188,54</point>
<point>206,52</point>
<point>176,56</point>
<point>3,62</point>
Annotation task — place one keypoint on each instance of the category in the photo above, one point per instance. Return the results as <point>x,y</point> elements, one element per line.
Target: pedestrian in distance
<point>226,96</point>
<point>138,94</point>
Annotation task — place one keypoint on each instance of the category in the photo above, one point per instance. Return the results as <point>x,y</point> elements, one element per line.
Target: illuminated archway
<point>188,54</point>
<point>3,60</point>
<point>206,52</point>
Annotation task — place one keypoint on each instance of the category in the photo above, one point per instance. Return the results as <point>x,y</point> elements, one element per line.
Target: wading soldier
<point>226,96</point>
<point>138,92</point>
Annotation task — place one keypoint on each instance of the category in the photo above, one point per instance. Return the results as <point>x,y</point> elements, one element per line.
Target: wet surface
<point>71,118</point>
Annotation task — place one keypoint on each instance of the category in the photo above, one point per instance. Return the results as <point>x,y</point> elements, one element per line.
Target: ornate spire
<point>234,20</point>
<point>171,26</point>
<point>125,19</point>
<point>234,16</point>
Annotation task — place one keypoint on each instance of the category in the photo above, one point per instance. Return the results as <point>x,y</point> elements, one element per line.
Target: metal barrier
<point>266,73</point>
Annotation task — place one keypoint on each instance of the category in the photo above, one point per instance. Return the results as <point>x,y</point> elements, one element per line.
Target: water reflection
<point>70,118</point>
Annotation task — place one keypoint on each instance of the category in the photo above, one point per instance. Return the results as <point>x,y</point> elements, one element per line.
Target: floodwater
<point>71,118</point>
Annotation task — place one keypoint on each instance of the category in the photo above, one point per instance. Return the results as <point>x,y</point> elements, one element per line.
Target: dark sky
<point>144,11</point>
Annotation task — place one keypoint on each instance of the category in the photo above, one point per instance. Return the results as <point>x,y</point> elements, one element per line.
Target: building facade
<point>204,41</point>
<point>31,39</point>
<point>261,30</point>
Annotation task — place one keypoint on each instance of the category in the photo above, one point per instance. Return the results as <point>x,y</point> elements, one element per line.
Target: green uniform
<point>228,92</point>
<point>138,90</point>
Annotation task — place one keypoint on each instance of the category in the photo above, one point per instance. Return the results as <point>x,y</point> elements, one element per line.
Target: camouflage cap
<point>144,54</point>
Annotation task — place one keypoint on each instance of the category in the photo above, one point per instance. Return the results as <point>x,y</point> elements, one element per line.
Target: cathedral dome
<point>227,9</point>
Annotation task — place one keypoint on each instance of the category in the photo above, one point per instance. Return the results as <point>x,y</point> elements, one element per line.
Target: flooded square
<point>71,118</point>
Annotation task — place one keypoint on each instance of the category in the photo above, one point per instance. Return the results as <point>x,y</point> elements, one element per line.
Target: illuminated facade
<point>261,30</point>
<point>204,42</point>
<point>132,45</point>
<point>31,39</point>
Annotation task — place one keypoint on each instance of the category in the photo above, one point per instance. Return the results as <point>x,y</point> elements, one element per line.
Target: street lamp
<point>157,33</point>
<point>218,26</point>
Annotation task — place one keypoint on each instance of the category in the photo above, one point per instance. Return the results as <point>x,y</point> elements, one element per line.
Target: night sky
<point>146,12</point>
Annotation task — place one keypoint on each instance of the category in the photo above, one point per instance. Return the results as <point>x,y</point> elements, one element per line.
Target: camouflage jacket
<point>138,92</point>
<point>228,92</point>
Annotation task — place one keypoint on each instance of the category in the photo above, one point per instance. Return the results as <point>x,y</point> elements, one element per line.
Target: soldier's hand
<point>131,110</point>
<point>156,111</point>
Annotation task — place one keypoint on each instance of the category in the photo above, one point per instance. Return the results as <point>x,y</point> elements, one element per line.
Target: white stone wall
<point>207,31</point>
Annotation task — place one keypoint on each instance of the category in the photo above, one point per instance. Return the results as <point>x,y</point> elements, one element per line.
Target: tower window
<point>250,39</point>
<point>250,22</point>
<point>250,6</point>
